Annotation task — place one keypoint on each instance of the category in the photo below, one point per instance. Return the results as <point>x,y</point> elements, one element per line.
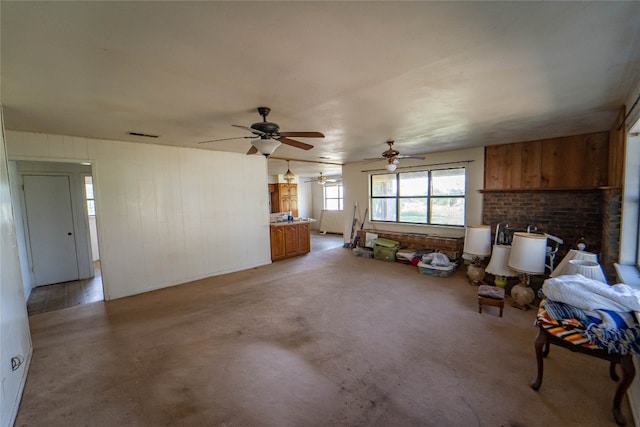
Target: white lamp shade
<point>498,265</point>
<point>589,269</point>
<point>477,240</point>
<point>565,268</point>
<point>391,167</point>
<point>266,146</point>
<point>528,251</point>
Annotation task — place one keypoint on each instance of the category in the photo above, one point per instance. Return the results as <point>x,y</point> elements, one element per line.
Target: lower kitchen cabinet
<point>290,239</point>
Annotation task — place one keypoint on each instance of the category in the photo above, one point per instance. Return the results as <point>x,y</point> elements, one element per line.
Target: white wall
<point>356,189</point>
<point>166,215</point>
<point>23,255</point>
<point>305,201</point>
<point>15,338</point>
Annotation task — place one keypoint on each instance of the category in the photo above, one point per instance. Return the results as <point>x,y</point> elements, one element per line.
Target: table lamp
<point>565,267</point>
<point>477,243</point>
<point>527,257</point>
<point>498,265</point>
<point>589,269</point>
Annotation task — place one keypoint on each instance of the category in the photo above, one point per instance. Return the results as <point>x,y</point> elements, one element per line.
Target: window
<point>434,197</point>
<point>88,191</point>
<point>333,197</point>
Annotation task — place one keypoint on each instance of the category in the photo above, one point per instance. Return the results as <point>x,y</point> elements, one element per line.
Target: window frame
<point>340,197</point>
<point>88,199</point>
<point>430,197</point>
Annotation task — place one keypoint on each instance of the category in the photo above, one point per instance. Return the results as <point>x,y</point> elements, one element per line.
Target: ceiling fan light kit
<point>391,166</point>
<point>265,146</point>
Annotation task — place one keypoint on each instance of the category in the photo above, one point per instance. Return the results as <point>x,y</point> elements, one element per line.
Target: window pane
<point>414,184</point>
<point>413,210</point>
<point>88,186</point>
<point>331,191</point>
<point>383,209</point>
<point>91,207</point>
<point>383,185</point>
<point>449,182</point>
<point>447,210</point>
<point>331,204</point>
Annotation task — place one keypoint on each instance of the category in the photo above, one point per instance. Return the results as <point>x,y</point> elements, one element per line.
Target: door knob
<point>69,234</point>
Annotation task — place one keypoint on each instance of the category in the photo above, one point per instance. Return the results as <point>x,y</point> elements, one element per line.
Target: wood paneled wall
<point>617,140</point>
<point>573,162</point>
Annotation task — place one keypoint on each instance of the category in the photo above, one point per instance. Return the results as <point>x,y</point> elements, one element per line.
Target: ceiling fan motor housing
<point>269,128</point>
<point>390,153</point>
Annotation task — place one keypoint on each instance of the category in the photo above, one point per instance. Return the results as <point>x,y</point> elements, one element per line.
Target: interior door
<point>50,225</point>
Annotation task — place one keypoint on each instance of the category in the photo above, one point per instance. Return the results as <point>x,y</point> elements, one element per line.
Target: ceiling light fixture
<point>266,146</point>
<point>288,176</point>
<point>391,165</point>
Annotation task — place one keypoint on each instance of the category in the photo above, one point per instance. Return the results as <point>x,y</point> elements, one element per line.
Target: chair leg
<point>628,373</point>
<point>547,348</point>
<point>612,371</point>
<point>541,341</point>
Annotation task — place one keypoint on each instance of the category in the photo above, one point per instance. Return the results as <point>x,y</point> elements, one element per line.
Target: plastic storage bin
<point>363,252</point>
<point>436,270</point>
<point>385,249</point>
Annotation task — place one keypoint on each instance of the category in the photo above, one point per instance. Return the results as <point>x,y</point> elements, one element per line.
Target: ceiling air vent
<point>146,135</point>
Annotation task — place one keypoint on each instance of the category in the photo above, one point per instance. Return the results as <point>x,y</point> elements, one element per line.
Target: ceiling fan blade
<point>252,150</point>
<point>303,134</point>
<point>225,139</point>
<point>294,143</point>
<point>257,132</point>
<point>411,157</point>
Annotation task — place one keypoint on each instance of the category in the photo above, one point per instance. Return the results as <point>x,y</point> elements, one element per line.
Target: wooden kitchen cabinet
<point>304,238</point>
<point>290,239</point>
<point>277,243</point>
<point>284,198</point>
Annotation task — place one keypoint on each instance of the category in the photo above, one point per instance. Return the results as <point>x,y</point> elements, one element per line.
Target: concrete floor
<point>327,339</point>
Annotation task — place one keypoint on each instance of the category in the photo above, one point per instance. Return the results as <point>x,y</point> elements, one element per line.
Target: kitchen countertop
<point>297,221</point>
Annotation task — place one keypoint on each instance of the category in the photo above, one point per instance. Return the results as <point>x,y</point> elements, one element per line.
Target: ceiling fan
<point>269,136</point>
<point>322,180</point>
<point>393,157</point>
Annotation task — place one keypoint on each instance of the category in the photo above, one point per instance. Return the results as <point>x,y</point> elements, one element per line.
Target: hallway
<point>68,294</point>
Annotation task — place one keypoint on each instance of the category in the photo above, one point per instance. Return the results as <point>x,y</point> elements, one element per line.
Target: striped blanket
<point>613,331</point>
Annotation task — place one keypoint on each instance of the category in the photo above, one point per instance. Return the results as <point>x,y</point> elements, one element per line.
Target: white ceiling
<point>433,76</point>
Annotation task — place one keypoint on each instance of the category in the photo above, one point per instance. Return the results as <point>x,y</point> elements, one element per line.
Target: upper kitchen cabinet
<point>284,198</point>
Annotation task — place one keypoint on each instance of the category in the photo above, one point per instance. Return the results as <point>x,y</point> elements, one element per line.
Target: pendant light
<point>288,176</point>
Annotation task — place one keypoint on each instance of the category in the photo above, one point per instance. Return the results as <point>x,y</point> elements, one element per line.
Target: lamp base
<point>475,273</point>
<point>522,296</point>
<point>500,281</point>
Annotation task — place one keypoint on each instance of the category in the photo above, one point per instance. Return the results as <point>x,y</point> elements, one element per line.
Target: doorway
<point>59,235</point>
